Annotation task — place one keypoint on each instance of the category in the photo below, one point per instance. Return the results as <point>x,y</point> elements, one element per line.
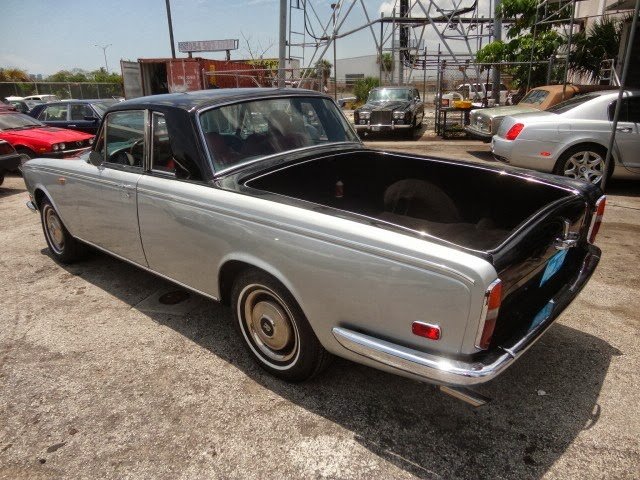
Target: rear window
<point>570,104</point>
<point>535,97</point>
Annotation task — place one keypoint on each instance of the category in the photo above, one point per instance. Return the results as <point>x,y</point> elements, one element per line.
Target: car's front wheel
<point>584,162</point>
<point>62,245</point>
<point>274,329</point>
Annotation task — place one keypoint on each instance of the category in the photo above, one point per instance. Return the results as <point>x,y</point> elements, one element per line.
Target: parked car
<point>9,159</point>
<point>346,102</point>
<point>572,138</point>
<point>32,138</point>
<point>443,271</point>
<point>477,92</point>
<point>390,109</point>
<point>42,98</point>
<point>485,122</point>
<point>20,105</point>
<point>82,115</point>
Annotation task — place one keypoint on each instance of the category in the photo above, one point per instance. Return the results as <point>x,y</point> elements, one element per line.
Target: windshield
<point>16,121</point>
<point>240,132</point>
<point>101,107</point>
<point>571,103</point>
<point>384,94</point>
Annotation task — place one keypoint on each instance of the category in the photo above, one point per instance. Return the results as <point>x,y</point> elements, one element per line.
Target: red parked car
<point>34,139</point>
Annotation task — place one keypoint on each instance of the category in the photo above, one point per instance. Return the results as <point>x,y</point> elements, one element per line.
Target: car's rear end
<point>9,159</point>
<point>540,269</point>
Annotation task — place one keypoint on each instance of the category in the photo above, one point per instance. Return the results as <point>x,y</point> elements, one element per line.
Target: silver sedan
<point>571,138</point>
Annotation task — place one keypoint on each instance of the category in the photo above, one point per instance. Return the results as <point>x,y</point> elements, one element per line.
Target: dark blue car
<point>82,115</point>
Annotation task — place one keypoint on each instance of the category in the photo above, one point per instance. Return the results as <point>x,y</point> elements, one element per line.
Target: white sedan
<point>571,138</point>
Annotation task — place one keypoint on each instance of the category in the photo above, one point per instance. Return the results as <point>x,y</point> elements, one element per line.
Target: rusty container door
<point>184,75</point>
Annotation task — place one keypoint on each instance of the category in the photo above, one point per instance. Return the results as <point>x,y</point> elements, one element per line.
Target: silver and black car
<point>266,200</point>
<point>390,109</point>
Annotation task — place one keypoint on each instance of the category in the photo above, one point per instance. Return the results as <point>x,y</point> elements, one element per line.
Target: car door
<point>112,222</point>
<point>628,133</point>
<point>83,118</point>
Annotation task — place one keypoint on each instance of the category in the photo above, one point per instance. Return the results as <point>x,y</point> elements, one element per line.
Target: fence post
<point>81,95</point>
<point>549,70</point>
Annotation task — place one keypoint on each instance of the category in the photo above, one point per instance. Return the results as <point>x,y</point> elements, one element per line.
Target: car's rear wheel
<point>584,162</point>
<point>62,245</point>
<point>274,329</point>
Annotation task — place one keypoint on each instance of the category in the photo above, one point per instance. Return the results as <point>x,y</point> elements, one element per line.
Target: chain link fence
<point>62,90</point>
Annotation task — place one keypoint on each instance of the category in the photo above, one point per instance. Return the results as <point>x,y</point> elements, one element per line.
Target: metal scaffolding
<point>312,31</point>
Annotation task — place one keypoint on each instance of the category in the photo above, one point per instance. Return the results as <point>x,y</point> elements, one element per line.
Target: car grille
<point>381,117</point>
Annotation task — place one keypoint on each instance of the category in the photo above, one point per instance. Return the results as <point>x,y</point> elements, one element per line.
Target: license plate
<point>554,264</point>
<point>375,128</point>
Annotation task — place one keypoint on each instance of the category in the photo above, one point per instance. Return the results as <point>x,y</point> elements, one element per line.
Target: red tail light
<point>514,131</point>
<point>492,301</point>
<point>596,220</point>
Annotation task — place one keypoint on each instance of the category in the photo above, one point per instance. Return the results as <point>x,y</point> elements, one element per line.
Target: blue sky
<point>44,36</point>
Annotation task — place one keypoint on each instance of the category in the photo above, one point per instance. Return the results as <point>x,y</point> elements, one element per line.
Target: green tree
<point>600,42</point>
<point>362,87</point>
<point>13,75</point>
<point>522,45</point>
<point>387,63</point>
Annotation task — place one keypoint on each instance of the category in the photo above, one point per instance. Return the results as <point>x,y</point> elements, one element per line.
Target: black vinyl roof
<point>204,98</point>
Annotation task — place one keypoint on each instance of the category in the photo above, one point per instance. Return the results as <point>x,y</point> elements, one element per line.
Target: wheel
<point>585,162</point>
<point>274,329</point>
<point>63,247</point>
<point>26,151</point>
<point>1,178</point>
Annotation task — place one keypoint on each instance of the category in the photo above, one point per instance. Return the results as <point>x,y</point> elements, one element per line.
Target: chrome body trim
<point>485,310</point>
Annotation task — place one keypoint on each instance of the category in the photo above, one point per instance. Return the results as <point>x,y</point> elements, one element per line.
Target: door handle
<point>126,189</point>
<point>71,125</point>
<point>624,129</point>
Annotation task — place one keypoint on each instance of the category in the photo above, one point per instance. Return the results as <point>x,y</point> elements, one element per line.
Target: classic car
<point>32,138</point>
<point>572,138</point>
<point>484,122</point>
<point>42,98</point>
<point>9,159</point>
<point>390,109</point>
<point>81,115</point>
<point>266,200</point>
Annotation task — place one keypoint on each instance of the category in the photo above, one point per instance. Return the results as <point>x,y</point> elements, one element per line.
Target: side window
<point>54,113</point>
<point>161,157</point>
<point>79,111</point>
<point>634,110</point>
<point>124,142</point>
<point>624,111</point>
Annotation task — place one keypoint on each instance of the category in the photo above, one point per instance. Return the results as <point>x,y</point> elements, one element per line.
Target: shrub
<point>363,86</point>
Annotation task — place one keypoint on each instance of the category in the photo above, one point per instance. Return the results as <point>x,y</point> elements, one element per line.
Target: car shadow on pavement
<point>539,406</point>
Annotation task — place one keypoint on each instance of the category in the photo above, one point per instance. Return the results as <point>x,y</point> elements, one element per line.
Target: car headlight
<point>62,146</point>
<point>365,115</point>
<point>55,147</point>
<point>398,114</point>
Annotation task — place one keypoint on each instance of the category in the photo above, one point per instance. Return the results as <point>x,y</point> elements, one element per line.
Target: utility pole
<point>104,52</point>
<point>497,36</point>
<point>173,48</point>
<point>335,65</point>
<point>283,42</point>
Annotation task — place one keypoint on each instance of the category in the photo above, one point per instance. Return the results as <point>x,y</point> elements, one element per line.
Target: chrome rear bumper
<point>446,371</point>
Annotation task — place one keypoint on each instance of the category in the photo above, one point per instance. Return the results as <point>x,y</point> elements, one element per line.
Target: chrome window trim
<point>145,155</point>
<point>218,173</point>
<point>164,173</point>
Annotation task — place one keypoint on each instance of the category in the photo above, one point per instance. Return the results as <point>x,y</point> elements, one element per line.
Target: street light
<point>104,52</point>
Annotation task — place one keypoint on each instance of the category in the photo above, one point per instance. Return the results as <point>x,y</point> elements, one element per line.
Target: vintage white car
<point>266,200</point>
